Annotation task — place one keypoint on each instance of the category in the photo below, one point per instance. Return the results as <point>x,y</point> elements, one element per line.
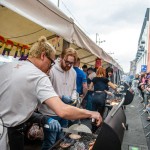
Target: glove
<point>52,125</point>
<point>67,99</point>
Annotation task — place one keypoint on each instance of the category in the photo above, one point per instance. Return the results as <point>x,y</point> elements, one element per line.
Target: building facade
<point>142,58</point>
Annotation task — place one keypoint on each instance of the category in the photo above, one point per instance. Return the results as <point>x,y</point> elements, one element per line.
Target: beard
<point>65,68</point>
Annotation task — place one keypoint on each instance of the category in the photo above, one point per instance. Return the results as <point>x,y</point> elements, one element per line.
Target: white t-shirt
<point>22,87</point>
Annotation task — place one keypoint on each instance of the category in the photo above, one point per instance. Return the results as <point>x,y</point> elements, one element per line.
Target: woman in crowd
<point>110,76</point>
<point>100,84</point>
<point>109,73</point>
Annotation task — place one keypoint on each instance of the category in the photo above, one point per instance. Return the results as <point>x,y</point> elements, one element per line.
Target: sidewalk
<point>134,137</point>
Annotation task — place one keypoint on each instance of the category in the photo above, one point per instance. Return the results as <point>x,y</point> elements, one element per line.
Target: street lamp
<point>98,41</point>
<point>58,3</point>
<point>97,37</point>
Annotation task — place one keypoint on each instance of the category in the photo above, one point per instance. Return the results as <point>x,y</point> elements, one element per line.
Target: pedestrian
<point>135,83</point>
<point>24,85</point>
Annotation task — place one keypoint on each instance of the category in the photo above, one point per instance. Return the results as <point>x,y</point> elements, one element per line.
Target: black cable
<point>73,16</point>
<point>26,34</point>
<point>54,12</point>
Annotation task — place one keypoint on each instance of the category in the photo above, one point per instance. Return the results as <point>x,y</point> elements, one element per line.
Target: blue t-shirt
<point>81,78</point>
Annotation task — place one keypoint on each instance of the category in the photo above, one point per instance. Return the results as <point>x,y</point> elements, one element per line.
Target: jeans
<point>98,100</point>
<point>98,104</point>
<point>51,137</point>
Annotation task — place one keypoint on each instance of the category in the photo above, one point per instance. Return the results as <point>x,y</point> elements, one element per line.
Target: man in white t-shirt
<point>24,85</point>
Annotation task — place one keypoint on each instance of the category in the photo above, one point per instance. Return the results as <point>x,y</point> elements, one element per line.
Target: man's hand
<point>97,117</point>
<point>52,125</point>
<point>91,144</point>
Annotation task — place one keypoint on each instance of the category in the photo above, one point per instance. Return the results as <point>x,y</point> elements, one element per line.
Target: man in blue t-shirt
<point>81,79</point>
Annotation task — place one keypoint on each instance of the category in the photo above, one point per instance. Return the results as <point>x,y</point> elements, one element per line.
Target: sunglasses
<point>69,62</point>
<point>52,61</point>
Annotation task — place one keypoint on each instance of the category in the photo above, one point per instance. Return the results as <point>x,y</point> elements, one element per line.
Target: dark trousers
<point>98,101</point>
<point>98,104</point>
<point>16,139</point>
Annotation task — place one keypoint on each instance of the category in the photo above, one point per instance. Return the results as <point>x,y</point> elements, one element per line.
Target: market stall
<point>24,21</point>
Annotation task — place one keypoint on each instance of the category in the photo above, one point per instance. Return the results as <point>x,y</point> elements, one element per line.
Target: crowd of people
<point>46,90</point>
<point>142,83</point>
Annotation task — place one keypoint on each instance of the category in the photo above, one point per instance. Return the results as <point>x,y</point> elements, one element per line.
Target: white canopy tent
<point>41,17</point>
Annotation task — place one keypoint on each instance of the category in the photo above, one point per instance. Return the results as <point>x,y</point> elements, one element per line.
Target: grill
<point>126,87</point>
<point>110,134</point>
<point>108,137</point>
<point>129,97</point>
<point>81,144</point>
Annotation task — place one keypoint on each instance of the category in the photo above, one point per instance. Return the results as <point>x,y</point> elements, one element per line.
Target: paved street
<point>134,138</point>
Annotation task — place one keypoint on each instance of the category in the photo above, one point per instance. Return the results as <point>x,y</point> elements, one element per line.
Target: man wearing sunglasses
<point>24,85</point>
